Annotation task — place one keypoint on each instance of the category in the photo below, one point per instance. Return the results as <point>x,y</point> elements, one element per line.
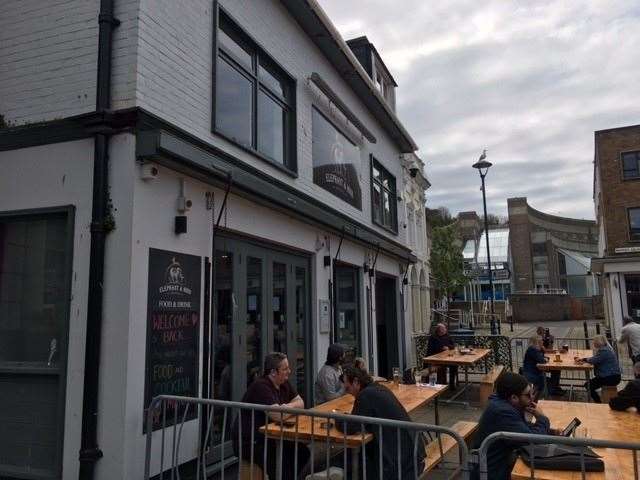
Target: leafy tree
<point>438,217</point>
<point>446,260</point>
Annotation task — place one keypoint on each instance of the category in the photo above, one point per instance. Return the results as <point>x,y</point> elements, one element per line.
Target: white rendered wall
<point>59,175</point>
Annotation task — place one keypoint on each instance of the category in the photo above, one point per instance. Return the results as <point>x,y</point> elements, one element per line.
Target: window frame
<point>259,58</point>
<point>374,163</point>
<point>622,169</point>
<point>632,238</point>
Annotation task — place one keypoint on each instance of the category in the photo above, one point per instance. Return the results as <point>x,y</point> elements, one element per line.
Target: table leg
<point>355,463</point>
<point>587,375</point>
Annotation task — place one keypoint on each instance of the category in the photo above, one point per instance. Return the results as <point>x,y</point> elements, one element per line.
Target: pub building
<point>189,186</point>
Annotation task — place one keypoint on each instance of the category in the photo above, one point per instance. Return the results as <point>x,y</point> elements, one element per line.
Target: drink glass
<point>418,377</point>
<point>396,375</point>
<point>433,378</point>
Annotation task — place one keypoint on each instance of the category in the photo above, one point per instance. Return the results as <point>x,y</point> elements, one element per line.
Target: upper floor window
<point>384,84</point>
<point>634,223</point>
<point>383,197</point>
<point>255,98</point>
<point>630,164</point>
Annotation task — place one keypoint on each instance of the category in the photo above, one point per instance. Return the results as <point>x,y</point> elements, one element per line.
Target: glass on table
<point>418,378</point>
<point>396,375</point>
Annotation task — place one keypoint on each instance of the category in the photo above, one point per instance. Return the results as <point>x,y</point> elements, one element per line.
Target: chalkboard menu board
<point>173,326</point>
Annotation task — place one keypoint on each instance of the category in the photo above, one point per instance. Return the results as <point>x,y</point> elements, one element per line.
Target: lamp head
<point>482,164</point>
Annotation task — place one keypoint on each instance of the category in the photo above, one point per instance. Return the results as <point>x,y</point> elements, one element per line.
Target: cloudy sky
<point>528,80</point>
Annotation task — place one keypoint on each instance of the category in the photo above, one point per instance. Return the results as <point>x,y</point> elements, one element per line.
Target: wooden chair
<point>488,382</point>
<point>435,454</point>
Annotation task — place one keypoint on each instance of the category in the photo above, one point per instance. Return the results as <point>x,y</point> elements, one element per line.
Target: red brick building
<point>616,195</point>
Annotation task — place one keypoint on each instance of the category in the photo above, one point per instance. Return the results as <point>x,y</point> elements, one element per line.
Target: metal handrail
<point>160,402</point>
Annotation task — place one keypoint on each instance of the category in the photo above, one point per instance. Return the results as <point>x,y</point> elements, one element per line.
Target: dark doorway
<point>387,324</point>
<point>632,283</point>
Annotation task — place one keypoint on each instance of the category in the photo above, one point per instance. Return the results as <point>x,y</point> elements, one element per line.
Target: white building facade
<point>231,184</point>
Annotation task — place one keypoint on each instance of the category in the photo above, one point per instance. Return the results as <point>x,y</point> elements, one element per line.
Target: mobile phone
<point>569,429</point>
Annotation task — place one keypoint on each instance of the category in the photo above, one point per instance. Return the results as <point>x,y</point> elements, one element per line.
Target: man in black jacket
<point>506,413</point>
<point>629,396</point>
<point>376,400</point>
<point>440,341</point>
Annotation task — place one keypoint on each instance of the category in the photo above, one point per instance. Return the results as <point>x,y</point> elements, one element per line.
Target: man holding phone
<point>506,413</point>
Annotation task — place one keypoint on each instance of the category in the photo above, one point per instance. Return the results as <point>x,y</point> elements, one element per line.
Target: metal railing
<point>521,439</point>
<point>170,451</point>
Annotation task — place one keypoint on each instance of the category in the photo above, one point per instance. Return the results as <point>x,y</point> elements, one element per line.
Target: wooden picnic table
<point>567,362</point>
<point>464,360</point>
<point>308,429</point>
<point>601,423</point>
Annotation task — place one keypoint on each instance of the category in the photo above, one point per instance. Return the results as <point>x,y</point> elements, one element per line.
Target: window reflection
<point>271,127</point>
<point>254,318</point>
<point>279,306</point>
<point>234,103</point>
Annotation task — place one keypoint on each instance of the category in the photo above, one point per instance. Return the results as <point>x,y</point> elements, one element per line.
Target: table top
<point>445,358</point>
<point>600,422</point>
<point>410,396</point>
<point>567,361</point>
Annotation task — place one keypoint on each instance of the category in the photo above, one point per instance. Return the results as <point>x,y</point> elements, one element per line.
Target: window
<point>336,161</point>
<point>630,164</point>
<point>383,197</point>
<point>634,224</point>
<point>255,99</point>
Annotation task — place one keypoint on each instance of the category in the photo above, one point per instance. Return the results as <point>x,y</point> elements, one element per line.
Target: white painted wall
<point>174,81</point>
<point>58,175</point>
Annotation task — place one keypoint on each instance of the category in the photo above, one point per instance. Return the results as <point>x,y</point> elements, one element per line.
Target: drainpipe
<point>90,452</point>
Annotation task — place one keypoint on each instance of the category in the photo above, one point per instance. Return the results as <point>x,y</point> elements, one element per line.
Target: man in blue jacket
<point>506,413</point>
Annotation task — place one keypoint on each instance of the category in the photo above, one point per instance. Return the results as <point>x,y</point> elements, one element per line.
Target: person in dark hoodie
<point>376,400</point>
<point>440,341</point>
<point>532,358</point>
<point>629,396</point>
<point>506,413</point>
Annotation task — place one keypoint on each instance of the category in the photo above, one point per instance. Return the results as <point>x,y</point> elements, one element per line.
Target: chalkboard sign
<point>173,326</point>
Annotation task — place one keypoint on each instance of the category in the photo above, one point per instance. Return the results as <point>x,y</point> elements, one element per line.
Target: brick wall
<point>616,195</point>
<point>540,308</point>
<point>520,243</point>
<point>48,58</point>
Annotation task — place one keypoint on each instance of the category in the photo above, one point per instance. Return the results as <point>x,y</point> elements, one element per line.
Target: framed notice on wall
<point>173,331</point>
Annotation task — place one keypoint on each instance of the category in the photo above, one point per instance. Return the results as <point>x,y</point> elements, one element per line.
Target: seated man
<point>506,413</point>
<point>274,389</point>
<point>629,396</point>
<point>440,341</point>
<point>376,400</point>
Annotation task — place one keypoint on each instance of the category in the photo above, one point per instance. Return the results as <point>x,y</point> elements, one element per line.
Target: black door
<point>35,271</point>
<point>387,325</point>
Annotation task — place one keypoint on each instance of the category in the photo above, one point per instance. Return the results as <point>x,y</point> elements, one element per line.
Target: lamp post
<point>482,165</point>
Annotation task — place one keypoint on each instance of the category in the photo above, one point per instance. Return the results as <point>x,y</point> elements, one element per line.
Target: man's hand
<point>534,410</point>
<point>444,349</point>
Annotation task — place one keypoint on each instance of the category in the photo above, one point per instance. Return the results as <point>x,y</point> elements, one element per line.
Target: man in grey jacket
<point>630,333</point>
<point>328,383</point>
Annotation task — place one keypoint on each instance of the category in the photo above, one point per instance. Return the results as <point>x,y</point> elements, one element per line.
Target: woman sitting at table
<point>605,367</point>
<point>440,341</point>
<point>532,357</point>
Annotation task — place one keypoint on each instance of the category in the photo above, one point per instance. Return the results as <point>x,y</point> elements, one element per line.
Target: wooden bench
<point>249,472</point>
<point>488,382</point>
<point>434,454</point>
<point>608,392</point>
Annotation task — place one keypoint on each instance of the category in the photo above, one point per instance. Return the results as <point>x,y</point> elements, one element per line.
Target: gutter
<point>101,224</point>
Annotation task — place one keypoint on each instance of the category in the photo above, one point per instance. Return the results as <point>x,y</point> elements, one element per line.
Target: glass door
<point>260,304</point>
<point>347,312</point>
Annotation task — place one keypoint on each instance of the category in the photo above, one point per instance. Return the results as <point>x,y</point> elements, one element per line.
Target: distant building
<point>551,253</point>
<point>471,231</point>
<point>616,195</point>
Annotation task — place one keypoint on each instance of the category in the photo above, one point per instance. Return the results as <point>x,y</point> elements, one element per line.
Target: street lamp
<point>482,165</point>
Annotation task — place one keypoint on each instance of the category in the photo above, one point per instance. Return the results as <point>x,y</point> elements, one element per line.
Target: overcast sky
<point>528,80</point>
